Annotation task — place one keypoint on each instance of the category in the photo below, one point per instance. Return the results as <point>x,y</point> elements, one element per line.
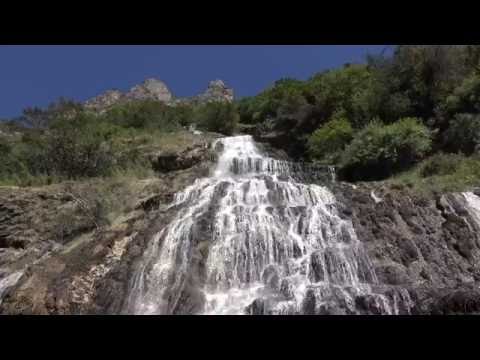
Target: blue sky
<point>37,75</point>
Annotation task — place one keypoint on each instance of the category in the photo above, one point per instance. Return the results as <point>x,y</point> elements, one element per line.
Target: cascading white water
<point>473,206</point>
<point>9,281</point>
<point>250,239</point>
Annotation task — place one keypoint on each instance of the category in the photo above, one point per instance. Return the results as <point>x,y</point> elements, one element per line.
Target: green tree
<point>466,97</point>
<point>38,118</point>
<point>76,147</point>
<point>148,114</point>
<point>463,134</point>
<point>379,151</point>
<point>330,139</point>
<point>218,117</point>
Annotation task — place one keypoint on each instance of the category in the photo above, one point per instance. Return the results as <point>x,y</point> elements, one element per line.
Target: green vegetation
<point>67,142</point>
<point>149,114</point>
<point>414,114</point>
<point>218,117</point>
<point>441,173</point>
<point>361,117</point>
<point>378,150</point>
<point>440,165</point>
<point>327,142</point>
<point>463,134</point>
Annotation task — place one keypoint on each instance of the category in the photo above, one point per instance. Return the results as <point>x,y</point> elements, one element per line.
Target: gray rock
<point>150,89</point>
<point>154,89</point>
<point>105,100</point>
<point>216,91</point>
<point>271,277</point>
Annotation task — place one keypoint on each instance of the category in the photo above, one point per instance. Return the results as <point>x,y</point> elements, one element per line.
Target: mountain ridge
<point>155,89</point>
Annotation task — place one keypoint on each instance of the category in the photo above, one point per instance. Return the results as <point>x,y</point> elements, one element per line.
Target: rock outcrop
<point>429,247</point>
<point>164,162</point>
<point>105,100</point>
<point>153,89</point>
<point>216,91</point>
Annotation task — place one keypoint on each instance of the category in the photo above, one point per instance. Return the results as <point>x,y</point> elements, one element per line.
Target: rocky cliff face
<point>426,249</point>
<point>153,89</point>
<point>427,246</point>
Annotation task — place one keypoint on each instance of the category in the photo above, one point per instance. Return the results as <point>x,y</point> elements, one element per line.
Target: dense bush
<point>379,151</point>
<point>441,173</point>
<point>440,164</point>
<point>463,134</point>
<point>15,162</point>
<point>466,97</point>
<point>343,89</point>
<point>149,114</point>
<point>78,147</point>
<point>9,164</point>
<point>218,117</point>
<point>37,118</point>
<point>330,139</point>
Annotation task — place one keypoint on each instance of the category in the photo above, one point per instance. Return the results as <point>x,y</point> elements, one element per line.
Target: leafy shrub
<point>440,164</point>
<point>463,134</point>
<point>331,138</point>
<point>74,148</point>
<point>284,97</point>
<point>380,150</point>
<point>466,97</point>
<point>13,166</point>
<point>37,118</point>
<point>347,88</point>
<point>148,114</point>
<point>441,174</point>
<point>218,117</point>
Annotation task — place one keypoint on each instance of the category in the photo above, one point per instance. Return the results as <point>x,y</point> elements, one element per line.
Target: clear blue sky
<point>38,75</point>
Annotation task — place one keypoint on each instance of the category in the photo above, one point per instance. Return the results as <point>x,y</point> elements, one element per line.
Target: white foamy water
<point>473,206</point>
<point>8,282</point>
<point>250,239</point>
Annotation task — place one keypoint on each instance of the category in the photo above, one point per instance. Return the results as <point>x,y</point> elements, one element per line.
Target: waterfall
<point>250,239</point>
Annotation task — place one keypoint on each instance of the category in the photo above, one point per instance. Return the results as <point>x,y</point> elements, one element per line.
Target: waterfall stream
<point>250,239</point>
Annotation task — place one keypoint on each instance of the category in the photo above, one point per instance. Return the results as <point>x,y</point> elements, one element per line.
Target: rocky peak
<point>105,100</point>
<point>154,89</point>
<point>217,91</point>
<point>150,89</point>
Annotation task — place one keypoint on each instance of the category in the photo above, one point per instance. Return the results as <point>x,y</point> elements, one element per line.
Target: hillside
<point>357,193</point>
